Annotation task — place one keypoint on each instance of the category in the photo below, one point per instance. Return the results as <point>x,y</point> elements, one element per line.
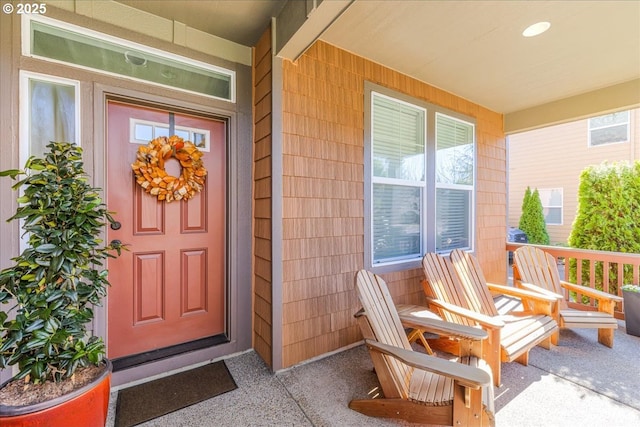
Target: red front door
<point>169,287</point>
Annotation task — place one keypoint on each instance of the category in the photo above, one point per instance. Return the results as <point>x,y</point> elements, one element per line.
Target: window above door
<point>56,41</point>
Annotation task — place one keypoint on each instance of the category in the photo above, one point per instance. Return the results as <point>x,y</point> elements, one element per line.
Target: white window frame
<point>592,128</point>
<point>546,206</point>
<point>428,186</point>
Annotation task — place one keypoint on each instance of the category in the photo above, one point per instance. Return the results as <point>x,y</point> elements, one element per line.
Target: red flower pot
<point>84,407</point>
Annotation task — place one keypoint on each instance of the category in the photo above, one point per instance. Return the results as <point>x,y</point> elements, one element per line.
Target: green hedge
<point>608,217</point>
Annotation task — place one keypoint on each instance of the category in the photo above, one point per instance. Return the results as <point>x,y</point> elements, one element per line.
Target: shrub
<point>532,219</point>
<point>608,217</point>
<point>58,279</point>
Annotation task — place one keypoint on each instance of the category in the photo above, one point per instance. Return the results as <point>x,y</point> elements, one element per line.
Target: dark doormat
<point>150,400</point>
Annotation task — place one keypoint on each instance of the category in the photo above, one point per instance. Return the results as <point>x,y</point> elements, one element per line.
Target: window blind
<point>398,134</point>
<point>454,183</point>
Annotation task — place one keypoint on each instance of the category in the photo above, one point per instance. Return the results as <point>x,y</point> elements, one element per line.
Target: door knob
<point>115,243</point>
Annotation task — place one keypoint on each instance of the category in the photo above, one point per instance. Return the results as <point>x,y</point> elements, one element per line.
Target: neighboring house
<point>304,186</point>
<point>551,160</point>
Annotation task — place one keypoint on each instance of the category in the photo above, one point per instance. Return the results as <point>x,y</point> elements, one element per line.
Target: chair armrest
<point>467,376</point>
<point>535,288</point>
<point>482,319</point>
<point>534,302</point>
<point>442,327</point>
<point>521,293</point>
<point>590,292</point>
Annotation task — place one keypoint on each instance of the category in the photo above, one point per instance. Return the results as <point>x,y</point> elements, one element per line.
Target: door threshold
<point>127,362</point>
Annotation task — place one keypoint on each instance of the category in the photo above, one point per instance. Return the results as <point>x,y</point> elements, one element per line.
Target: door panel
<point>169,287</point>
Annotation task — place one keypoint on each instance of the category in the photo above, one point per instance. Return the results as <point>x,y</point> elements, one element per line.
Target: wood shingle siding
<point>262,199</point>
<point>323,196</point>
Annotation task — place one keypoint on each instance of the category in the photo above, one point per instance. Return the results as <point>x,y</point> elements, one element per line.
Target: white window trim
<point>428,225</point>
<point>26,51</point>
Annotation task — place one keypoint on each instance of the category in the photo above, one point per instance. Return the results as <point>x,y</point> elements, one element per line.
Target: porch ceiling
<point>586,64</point>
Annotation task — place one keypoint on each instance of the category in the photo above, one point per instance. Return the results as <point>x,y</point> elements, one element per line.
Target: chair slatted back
<point>382,323</point>
<point>442,284</point>
<point>535,266</point>
<point>471,277</point>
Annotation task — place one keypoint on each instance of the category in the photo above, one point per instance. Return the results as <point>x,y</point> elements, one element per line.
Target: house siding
<point>554,157</point>
<point>262,184</point>
<point>323,195</point>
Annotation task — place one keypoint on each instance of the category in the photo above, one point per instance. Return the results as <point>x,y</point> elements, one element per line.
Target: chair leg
<point>418,334</point>
<point>467,407</point>
<point>546,343</point>
<point>523,359</point>
<point>491,353</point>
<point>605,337</point>
<point>404,410</point>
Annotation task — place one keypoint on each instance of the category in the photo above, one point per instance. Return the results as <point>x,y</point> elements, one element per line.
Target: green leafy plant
<point>631,288</point>
<point>608,219</point>
<point>56,281</point>
<point>532,220</point>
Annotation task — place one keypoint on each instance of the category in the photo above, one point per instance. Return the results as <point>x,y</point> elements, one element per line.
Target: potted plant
<point>631,301</point>
<point>50,291</point>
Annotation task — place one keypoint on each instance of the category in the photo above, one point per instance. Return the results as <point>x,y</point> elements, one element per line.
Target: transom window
<point>56,41</point>
<point>420,178</point>
<point>609,129</point>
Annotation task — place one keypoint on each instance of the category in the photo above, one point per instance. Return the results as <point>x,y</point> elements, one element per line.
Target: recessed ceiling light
<point>536,29</point>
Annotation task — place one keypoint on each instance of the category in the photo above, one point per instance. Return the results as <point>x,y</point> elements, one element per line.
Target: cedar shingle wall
<point>323,195</point>
<point>262,267</point>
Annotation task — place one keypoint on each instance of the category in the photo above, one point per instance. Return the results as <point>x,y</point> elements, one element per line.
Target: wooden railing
<point>611,261</point>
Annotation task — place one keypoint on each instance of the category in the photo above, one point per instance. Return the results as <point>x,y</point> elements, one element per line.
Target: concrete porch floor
<point>579,383</point>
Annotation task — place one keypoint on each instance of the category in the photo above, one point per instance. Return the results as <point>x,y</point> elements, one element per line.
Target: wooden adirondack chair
<point>537,270</point>
<point>417,387</point>
<point>469,302</point>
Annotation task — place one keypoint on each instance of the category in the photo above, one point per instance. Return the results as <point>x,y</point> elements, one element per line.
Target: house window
<point>609,129</point>
<point>420,180</point>
<point>551,199</point>
<point>52,40</point>
<point>454,183</point>
<point>143,131</point>
<point>49,111</point>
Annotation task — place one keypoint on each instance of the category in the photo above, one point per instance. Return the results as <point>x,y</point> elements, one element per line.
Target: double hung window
<point>551,199</point>
<point>420,174</point>
<point>609,129</point>
<point>454,183</point>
